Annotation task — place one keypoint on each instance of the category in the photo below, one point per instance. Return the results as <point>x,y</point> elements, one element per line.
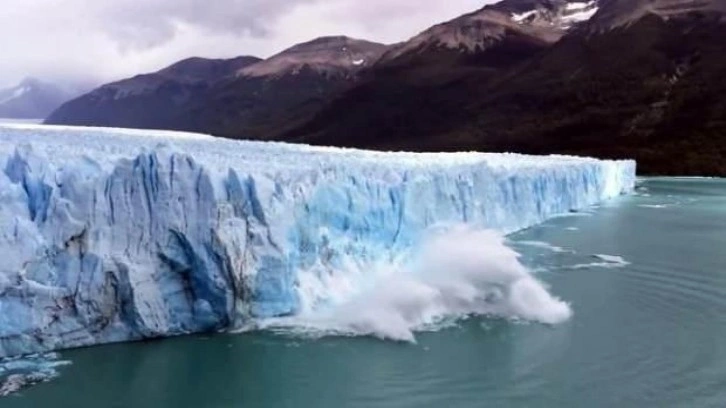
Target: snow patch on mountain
<point>522,17</point>
<point>561,15</point>
<point>579,12</point>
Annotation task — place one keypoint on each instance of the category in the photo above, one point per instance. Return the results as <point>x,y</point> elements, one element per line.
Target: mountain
<point>33,99</point>
<point>266,98</point>
<point>609,78</point>
<point>150,100</point>
<point>643,82</point>
<point>639,78</point>
<point>564,14</point>
<point>245,97</point>
<point>417,87</point>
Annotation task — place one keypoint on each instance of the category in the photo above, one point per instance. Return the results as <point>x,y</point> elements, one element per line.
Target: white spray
<point>454,274</point>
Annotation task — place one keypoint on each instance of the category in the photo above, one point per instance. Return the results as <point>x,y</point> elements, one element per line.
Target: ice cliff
<point>110,235</point>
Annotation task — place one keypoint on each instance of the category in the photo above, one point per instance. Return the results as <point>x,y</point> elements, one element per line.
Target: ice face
<point>109,235</point>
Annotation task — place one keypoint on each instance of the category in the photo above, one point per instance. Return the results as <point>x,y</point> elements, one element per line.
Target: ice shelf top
<point>61,143</point>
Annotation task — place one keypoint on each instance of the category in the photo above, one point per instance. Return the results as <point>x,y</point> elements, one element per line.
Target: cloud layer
<point>110,39</point>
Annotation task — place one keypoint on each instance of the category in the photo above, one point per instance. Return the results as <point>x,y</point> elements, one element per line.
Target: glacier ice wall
<point>110,235</point>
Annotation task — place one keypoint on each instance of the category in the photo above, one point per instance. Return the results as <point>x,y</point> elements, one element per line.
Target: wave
<point>604,261</point>
<point>546,246</point>
<point>454,274</point>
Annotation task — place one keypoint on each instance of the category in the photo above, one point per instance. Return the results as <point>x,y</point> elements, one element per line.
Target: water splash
<point>454,274</point>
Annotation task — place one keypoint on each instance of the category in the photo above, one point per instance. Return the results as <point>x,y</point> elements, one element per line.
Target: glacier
<point>111,235</point>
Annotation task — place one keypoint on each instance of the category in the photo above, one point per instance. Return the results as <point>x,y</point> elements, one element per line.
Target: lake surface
<point>649,330</point>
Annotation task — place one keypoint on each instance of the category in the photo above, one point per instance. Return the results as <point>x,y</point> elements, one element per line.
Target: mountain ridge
<point>331,55</point>
<point>608,78</point>
<point>147,100</point>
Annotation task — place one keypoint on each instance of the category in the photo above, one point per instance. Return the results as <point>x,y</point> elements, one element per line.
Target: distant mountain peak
<point>31,82</point>
<point>187,72</point>
<point>32,98</point>
<point>327,55</point>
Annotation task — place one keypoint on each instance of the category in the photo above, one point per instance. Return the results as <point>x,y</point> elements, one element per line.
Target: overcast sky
<point>106,40</point>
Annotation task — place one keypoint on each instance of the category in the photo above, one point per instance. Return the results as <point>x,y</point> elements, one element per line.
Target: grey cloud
<point>149,23</point>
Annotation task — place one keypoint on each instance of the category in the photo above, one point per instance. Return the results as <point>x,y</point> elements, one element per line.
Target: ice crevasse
<point>115,235</point>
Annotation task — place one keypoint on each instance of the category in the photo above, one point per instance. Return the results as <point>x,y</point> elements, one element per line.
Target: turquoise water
<point>649,330</point>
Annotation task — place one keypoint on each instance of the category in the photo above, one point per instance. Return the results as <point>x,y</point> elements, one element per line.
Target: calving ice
<point>110,235</point>
<point>454,272</point>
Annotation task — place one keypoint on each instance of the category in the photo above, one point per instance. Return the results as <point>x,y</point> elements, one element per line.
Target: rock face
<point>32,99</point>
<point>108,236</point>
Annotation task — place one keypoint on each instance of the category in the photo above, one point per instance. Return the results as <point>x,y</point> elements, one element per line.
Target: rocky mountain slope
<point>427,75</point>
<point>266,99</point>
<point>263,100</point>
<point>639,79</point>
<point>150,100</point>
<point>243,97</point>
<point>329,56</point>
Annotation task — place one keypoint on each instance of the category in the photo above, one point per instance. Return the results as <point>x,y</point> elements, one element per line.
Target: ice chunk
<point>19,373</point>
<point>453,274</point>
<point>112,235</point>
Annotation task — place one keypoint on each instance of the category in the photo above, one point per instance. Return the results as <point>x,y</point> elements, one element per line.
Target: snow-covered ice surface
<point>112,235</point>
